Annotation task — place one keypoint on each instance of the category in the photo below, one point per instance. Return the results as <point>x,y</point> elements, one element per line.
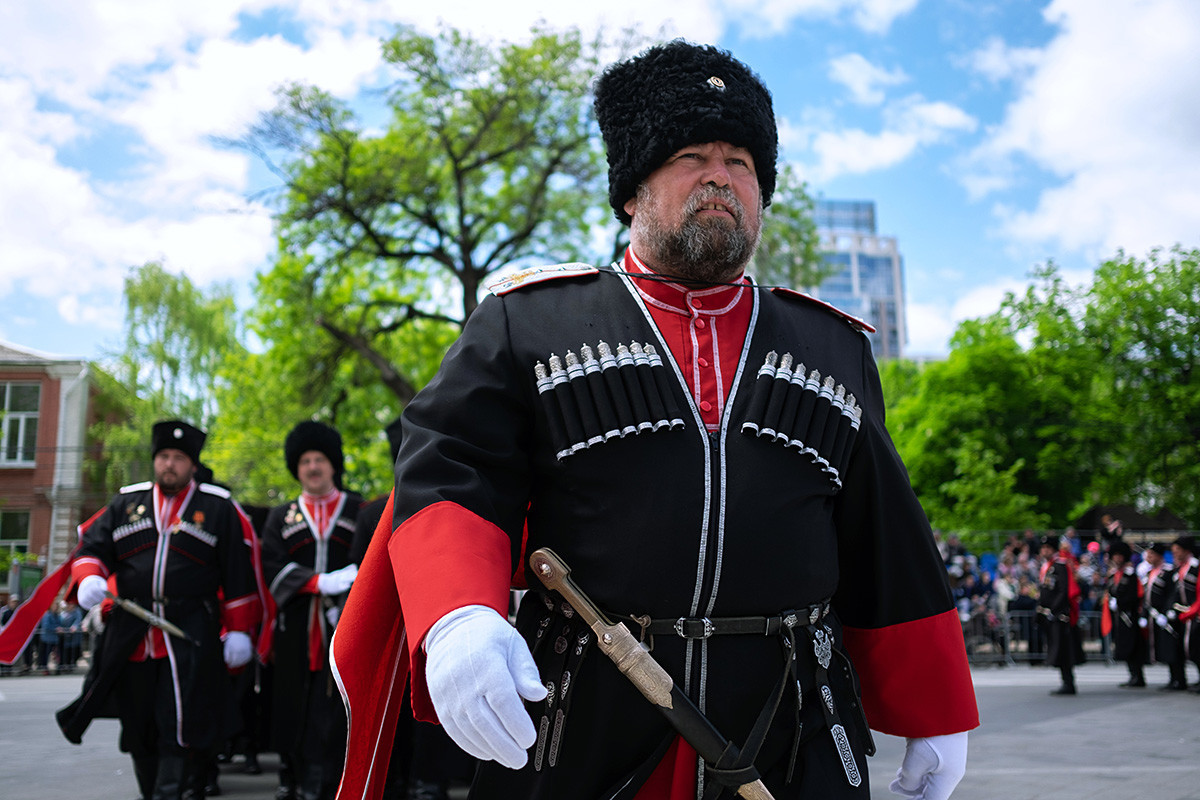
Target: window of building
<point>19,423</point>
<point>14,531</point>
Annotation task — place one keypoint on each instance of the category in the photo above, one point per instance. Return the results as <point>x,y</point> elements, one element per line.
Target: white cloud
<point>1110,112</point>
<point>865,81</point>
<point>997,62</point>
<point>907,126</point>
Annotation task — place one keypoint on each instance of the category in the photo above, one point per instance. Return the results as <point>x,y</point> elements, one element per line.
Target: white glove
<point>1112,603</point>
<point>333,614</point>
<point>1161,619</point>
<point>92,590</point>
<point>478,668</point>
<point>338,581</point>
<point>238,649</point>
<point>1143,622</point>
<point>932,767</point>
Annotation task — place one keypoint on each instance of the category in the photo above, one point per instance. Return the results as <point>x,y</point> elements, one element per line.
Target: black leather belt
<point>704,627</point>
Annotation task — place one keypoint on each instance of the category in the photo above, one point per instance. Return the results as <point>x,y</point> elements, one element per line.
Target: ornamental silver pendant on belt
<point>823,646</point>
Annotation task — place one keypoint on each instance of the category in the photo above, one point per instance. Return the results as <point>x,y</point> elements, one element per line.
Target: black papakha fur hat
<point>178,435</point>
<point>309,435</point>
<point>674,95</point>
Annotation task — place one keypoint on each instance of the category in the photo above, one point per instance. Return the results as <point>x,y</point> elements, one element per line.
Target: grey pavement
<point>1106,743</point>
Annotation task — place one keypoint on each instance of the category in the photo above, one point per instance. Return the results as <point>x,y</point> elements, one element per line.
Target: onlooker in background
<point>1072,541</point>
<point>1024,607</point>
<point>70,636</point>
<point>5,613</point>
<point>1166,638</point>
<point>1058,601</point>
<point>47,639</point>
<point>1125,606</point>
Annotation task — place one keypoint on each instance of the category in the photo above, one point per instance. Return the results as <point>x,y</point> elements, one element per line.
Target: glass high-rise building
<point>869,277</point>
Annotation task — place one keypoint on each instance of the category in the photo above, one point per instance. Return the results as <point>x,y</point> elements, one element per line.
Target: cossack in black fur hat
<point>1050,540</point>
<point>674,95</point>
<point>1186,542</point>
<point>309,435</point>
<point>179,435</point>
<point>1120,548</point>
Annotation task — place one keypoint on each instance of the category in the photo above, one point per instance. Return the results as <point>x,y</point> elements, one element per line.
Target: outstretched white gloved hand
<point>338,581</point>
<point>92,589</point>
<point>932,767</point>
<point>238,649</point>
<point>478,668</point>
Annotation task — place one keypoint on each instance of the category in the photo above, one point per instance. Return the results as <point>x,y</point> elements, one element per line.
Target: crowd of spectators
<point>57,643</point>
<point>995,589</point>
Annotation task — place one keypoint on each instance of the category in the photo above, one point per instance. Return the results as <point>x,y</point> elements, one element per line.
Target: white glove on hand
<point>1112,603</point>
<point>238,649</point>
<point>338,581</point>
<point>1143,622</point>
<point>932,767</point>
<point>92,590</point>
<point>333,614</point>
<point>478,668</point>
<point>1161,619</point>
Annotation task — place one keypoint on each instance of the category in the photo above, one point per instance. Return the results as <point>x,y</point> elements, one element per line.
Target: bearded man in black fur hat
<point>710,459</point>
<point>307,564</point>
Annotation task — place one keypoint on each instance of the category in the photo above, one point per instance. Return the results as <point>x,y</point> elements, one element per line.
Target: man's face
<point>1180,555</point>
<point>699,215</point>
<point>1152,557</point>
<point>173,469</point>
<point>1047,552</point>
<point>315,471</point>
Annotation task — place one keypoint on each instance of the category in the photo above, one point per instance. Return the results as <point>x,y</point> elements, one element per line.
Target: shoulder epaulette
<point>854,321</point>
<point>532,275</point>
<point>137,487</point>
<point>219,491</point>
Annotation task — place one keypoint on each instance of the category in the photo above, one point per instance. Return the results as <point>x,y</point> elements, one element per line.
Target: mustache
<point>722,194</point>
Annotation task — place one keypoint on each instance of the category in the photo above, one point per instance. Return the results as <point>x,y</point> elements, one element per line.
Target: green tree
<point>1143,316</point>
<point>489,160</point>
<point>983,496</point>
<point>179,339</point>
<point>789,251</point>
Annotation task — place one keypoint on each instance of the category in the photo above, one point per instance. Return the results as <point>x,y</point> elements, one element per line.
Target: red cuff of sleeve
<point>310,586</point>
<point>241,614</point>
<point>445,557</point>
<point>87,565</point>
<point>916,681</point>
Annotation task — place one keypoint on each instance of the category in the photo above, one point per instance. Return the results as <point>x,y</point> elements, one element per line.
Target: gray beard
<point>698,250</point>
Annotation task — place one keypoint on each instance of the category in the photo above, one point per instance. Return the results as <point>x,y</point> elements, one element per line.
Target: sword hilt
<point>654,682</point>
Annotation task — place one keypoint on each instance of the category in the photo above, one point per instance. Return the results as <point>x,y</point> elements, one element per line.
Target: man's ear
<point>630,205</point>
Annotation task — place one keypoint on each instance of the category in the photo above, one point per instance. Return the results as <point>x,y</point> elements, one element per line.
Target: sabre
<point>655,684</point>
<point>149,617</point>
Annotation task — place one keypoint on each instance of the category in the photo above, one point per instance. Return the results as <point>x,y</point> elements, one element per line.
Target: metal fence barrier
<point>1020,636</point>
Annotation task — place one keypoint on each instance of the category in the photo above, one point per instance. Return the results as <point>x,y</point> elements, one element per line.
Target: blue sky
<point>992,136</point>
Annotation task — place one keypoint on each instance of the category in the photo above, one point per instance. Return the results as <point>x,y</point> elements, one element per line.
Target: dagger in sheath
<point>150,618</point>
<point>618,643</point>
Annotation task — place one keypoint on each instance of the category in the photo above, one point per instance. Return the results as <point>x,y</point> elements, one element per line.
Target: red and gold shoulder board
<point>531,275</point>
<point>854,321</point>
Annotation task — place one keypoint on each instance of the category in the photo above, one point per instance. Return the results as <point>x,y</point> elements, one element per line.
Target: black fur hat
<point>179,435</point>
<point>1186,542</point>
<point>309,435</point>
<point>1120,548</point>
<point>674,95</point>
